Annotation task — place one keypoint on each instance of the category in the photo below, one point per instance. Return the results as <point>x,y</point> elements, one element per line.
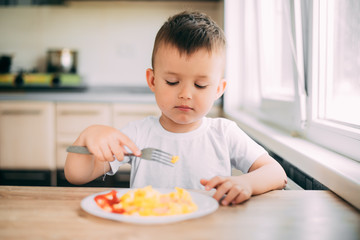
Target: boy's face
<point>185,86</point>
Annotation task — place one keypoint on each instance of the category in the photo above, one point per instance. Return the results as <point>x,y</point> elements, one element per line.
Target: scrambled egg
<point>149,202</point>
<point>174,159</point>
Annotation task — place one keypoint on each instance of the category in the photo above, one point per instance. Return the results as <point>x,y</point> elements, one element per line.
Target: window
<point>335,61</point>
<point>299,67</point>
<point>277,67</point>
<point>339,84</point>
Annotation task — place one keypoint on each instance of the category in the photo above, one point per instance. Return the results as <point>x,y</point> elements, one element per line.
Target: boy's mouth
<point>184,108</point>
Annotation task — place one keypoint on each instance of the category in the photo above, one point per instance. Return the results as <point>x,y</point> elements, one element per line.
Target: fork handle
<point>78,149</point>
<point>85,150</point>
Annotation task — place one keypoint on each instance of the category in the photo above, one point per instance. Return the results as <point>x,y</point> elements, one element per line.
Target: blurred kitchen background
<point>293,70</point>
<point>68,64</point>
<point>113,39</point>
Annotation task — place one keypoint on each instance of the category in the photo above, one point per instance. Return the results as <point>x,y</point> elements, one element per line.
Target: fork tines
<point>161,156</point>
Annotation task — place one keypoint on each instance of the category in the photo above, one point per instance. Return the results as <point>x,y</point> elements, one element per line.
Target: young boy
<point>186,77</point>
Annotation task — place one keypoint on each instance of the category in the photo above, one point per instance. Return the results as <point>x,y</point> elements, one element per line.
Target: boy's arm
<point>82,168</point>
<point>104,143</point>
<point>264,175</point>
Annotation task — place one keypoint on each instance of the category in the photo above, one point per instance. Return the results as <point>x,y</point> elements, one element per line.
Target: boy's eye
<point>200,86</point>
<point>171,83</point>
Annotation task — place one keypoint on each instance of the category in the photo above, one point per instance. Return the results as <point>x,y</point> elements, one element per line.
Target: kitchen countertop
<point>123,94</point>
<point>55,213</point>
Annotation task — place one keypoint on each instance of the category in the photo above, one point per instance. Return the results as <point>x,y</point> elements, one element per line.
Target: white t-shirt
<point>208,151</point>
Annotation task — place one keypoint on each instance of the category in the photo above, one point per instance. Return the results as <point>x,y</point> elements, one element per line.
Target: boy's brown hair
<point>189,32</point>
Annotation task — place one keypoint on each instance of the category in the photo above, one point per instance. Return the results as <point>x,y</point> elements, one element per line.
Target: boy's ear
<point>221,88</point>
<point>150,79</point>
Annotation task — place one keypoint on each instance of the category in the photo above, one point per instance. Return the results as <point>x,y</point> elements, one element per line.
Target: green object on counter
<point>37,79</point>
<point>7,79</point>
<point>70,80</point>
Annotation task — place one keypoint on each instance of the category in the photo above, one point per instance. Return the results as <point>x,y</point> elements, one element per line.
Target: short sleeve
<point>244,151</point>
<point>114,165</point>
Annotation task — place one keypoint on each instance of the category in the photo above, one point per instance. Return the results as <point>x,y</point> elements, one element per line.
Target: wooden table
<point>55,213</point>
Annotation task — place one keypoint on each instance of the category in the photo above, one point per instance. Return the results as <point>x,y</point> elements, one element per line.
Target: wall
<point>114,40</point>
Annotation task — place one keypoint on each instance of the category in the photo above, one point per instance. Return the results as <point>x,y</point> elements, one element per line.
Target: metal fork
<point>152,154</point>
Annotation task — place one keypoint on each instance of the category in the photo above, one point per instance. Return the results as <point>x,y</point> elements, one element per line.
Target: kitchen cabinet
<point>72,119</point>
<point>42,130</point>
<point>27,135</point>
<point>124,113</point>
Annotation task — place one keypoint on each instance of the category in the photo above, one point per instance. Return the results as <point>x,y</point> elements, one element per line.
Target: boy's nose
<point>185,92</point>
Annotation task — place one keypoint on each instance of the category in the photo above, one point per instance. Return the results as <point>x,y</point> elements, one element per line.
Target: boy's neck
<point>174,127</point>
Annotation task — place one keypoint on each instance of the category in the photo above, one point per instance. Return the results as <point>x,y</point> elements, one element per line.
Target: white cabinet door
<point>27,134</point>
<point>124,113</point>
<point>72,119</point>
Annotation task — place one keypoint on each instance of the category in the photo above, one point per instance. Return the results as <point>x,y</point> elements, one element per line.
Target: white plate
<point>206,205</point>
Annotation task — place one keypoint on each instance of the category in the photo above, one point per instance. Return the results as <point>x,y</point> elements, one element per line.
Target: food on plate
<point>147,202</point>
<point>174,159</point>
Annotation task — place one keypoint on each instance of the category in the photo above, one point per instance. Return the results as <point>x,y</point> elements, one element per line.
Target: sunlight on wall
<point>114,40</point>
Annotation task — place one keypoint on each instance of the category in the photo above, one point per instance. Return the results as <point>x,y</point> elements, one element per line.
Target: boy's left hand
<point>236,189</point>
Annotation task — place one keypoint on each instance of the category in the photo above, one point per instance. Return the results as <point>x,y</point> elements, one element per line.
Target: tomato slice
<point>107,201</point>
<point>102,202</point>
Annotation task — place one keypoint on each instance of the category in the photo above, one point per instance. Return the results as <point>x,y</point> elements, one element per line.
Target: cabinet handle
<point>137,113</point>
<point>20,112</point>
<point>82,113</point>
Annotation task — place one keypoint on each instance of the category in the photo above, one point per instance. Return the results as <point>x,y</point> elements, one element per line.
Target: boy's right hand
<point>105,142</point>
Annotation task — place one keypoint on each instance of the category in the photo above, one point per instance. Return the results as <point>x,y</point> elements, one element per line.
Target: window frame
<point>338,172</point>
<point>294,108</point>
<point>298,117</point>
<point>327,133</point>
